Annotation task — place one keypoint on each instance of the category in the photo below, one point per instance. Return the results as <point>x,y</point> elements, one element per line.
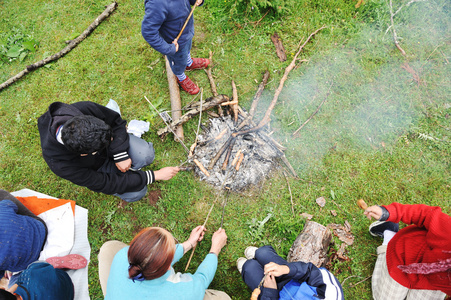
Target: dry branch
<point>240,160</point>
<point>220,152</point>
<point>395,36</point>
<point>266,118</point>
<point>201,167</point>
<point>176,103</point>
<point>109,9</point>
<point>235,99</point>
<point>207,104</point>
<point>212,82</point>
<point>258,94</point>
<point>315,112</point>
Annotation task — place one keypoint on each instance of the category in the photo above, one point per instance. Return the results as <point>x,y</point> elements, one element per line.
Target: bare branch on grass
<point>109,9</point>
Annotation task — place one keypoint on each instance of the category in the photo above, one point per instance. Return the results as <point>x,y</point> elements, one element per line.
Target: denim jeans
<point>180,58</point>
<point>142,154</point>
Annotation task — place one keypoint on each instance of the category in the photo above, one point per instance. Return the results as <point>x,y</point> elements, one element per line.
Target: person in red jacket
<point>414,263</point>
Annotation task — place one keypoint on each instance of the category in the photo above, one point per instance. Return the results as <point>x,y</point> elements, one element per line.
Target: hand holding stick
<point>194,248</point>
<point>184,25</point>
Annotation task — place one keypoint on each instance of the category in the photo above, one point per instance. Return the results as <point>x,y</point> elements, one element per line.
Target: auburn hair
<point>151,253</point>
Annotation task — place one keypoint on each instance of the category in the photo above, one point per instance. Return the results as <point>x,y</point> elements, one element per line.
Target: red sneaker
<point>198,63</point>
<point>189,86</point>
<point>71,261</point>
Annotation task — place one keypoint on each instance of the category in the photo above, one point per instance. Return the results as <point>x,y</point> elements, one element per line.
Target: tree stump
<point>311,245</point>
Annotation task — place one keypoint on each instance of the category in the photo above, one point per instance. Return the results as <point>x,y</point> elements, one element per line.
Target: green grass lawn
<point>383,133</point>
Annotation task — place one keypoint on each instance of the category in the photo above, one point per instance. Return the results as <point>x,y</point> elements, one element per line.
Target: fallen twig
<point>181,142</point>
<point>291,195</point>
<point>353,285</point>
<point>109,9</point>
<point>314,113</point>
<point>395,36</point>
<point>266,118</point>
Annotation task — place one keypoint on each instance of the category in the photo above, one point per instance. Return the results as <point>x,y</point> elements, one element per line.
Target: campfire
<point>245,161</point>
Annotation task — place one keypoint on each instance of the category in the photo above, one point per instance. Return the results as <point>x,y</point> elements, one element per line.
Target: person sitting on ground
<point>144,269</point>
<point>88,144</point>
<point>163,20</point>
<point>40,280</point>
<point>284,280</point>
<point>23,234</point>
<point>414,263</point>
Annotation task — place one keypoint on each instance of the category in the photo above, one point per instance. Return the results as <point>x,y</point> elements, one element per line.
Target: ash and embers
<point>260,157</point>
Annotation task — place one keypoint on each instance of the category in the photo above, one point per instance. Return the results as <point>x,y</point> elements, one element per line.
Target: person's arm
<point>207,269</point>
<point>155,15</point>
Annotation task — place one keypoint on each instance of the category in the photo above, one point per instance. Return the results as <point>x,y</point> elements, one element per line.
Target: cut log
<point>280,50</point>
<point>176,103</point>
<point>311,245</point>
<point>209,103</point>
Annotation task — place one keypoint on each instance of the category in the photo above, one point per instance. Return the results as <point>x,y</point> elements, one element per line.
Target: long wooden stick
<point>192,253</point>
<point>109,9</point>
<point>258,94</point>
<point>207,104</point>
<point>266,118</point>
<point>186,22</point>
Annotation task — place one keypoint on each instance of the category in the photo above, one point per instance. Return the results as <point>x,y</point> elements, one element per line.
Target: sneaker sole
<point>374,224</point>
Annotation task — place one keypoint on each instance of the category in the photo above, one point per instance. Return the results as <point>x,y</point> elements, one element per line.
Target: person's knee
<point>261,252</point>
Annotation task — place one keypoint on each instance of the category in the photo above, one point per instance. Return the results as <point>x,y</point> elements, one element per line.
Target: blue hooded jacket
<point>163,21</point>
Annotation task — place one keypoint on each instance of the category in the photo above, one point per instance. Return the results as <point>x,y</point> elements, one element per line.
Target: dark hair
<point>5,295</point>
<point>86,134</point>
<point>150,254</point>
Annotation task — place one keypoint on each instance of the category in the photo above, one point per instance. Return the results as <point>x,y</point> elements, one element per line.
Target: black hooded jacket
<point>83,170</point>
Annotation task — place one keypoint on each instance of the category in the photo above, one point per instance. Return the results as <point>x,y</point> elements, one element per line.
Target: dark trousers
<point>253,269</point>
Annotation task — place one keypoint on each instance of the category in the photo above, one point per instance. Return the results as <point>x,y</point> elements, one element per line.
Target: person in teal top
<point>144,270</point>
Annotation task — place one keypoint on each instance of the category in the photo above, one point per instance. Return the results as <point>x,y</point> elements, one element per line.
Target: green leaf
<point>22,56</point>
<point>332,194</point>
<point>14,51</point>
<point>29,45</point>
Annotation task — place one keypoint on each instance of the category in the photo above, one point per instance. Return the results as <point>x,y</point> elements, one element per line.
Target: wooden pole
<point>176,103</point>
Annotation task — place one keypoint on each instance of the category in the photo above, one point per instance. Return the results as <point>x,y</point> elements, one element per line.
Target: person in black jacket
<point>87,144</point>
<point>284,280</point>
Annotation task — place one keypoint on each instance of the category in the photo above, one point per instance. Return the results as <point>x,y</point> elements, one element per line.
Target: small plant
<point>256,228</point>
<point>16,45</point>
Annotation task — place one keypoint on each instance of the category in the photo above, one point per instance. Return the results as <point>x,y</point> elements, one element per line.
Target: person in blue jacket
<point>23,235</point>
<point>144,269</point>
<point>295,280</point>
<point>41,281</point>
<point>163,20</point>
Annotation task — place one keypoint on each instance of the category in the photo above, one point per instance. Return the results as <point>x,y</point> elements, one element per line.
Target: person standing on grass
<point>163,20</point>
<point>144,269</point>
<point>88,144</point>
<point>414,262</point>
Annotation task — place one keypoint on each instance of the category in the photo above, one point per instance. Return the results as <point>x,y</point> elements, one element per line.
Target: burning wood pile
<point>233,151</point>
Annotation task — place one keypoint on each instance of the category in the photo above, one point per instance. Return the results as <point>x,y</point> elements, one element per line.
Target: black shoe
<point>377,228</point>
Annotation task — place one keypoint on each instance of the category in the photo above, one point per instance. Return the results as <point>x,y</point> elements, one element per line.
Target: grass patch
<point>381,135</point>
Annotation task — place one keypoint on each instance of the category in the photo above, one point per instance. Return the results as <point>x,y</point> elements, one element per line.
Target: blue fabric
<point>163,21</point>
<point>40,281</point>
<point>305,277</point>
<point>294,290</point>
<point>169,286</point>
<point>21,238</point>
<point>178,61</point>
